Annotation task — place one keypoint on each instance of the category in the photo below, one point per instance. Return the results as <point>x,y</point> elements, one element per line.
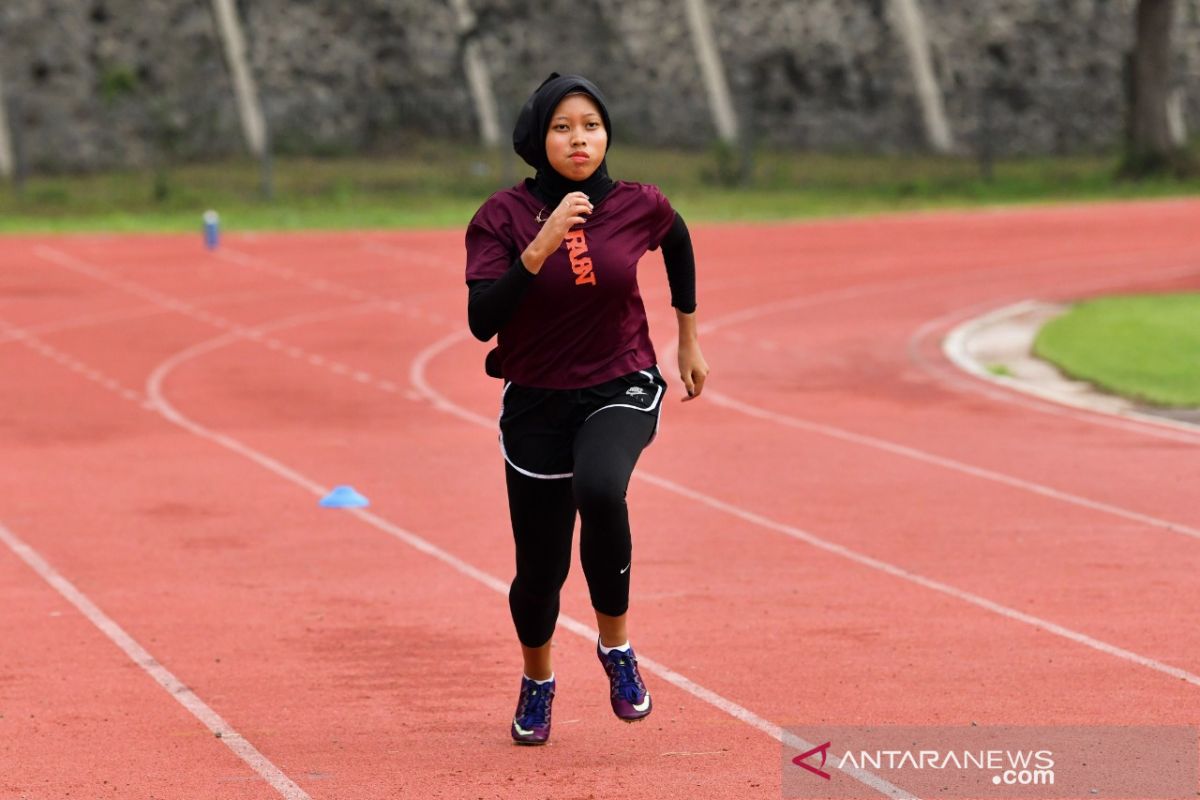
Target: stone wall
<point>95,83</point>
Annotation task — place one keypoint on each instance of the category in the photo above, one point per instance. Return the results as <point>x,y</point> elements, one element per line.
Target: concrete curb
<point>998,347</point>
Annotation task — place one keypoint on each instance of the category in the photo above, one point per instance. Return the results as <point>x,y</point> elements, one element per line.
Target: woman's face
<point>576,139</point>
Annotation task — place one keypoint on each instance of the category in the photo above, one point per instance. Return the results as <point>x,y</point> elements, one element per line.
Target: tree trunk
<point>1150,148</point>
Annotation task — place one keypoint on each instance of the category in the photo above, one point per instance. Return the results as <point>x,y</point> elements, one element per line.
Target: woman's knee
<point>542,583</point>
<point>599,493</point>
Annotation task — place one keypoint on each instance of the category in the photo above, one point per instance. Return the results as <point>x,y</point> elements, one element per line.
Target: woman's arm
<point>490,304</point>
<point>693,369</point>
<point>681,265</point>
<point>680,261</point>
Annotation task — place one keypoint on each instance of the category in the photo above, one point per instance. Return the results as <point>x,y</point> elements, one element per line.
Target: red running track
<point>842,531</point>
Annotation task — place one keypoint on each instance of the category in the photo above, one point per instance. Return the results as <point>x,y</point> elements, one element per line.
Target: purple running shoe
<point>531,725</point>
<point>630,700</point>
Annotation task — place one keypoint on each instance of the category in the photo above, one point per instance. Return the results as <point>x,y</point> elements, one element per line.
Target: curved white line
<point>446,406</point>
<point>155,385</point>
<point>442,403</point>
<point>955,348</point>
<point>1154,427</point>
<point>504,450</point>
<point>155,390</point>
<point>417,377</point>
<point>917,454</point>
<point>1149,427</point>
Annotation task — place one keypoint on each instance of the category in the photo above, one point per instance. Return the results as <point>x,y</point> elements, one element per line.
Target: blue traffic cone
<point>344,497</point>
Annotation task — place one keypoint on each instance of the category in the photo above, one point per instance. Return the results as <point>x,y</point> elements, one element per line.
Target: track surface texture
<point>843,530</point>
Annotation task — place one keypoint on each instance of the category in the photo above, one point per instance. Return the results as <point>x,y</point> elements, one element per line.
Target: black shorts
<point>538,426</point>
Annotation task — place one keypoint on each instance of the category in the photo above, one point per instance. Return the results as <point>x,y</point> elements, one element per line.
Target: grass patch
<point>440,184</point>
<point>1145,347</point>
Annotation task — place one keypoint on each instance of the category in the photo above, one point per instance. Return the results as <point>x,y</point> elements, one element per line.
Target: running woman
<point>552,269</point>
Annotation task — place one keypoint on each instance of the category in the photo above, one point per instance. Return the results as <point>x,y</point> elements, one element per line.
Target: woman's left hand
<point>693,369</point>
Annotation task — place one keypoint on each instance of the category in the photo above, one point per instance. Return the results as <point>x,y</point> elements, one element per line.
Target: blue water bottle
<point>212,229</point>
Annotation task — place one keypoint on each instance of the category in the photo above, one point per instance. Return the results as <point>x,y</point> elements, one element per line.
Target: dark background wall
<point>94,83</point>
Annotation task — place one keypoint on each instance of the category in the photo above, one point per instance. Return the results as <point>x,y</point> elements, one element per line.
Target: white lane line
<point>159,298</point>
<point>23,336</point>
<point>1154,428</point>
<point>787,420</point>
<point>150,665</point>
<point>956,348</point>
<point>173,304</point>
<point>957,381</point>
<point>406,255</point>
<point>441,403</point>
<point>155,390</point>
<point>215,724</point>
<point>861,291</point>
<point>316,284</point>
<point>890,283</point>
<point>916,454</point>
<point>446,406</point>
<point>83,322</point>
<point>858,292</point>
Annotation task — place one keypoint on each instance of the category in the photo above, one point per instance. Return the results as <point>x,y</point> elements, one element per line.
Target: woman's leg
<point>543,520</point>
<point>607,447</point>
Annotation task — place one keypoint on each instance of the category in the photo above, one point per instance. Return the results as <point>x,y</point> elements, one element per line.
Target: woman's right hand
<point>572,211</point>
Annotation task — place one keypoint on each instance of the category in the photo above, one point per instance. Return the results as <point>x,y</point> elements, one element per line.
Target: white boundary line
<point>916,454</point>
<point>247,752</point>
<point>951,379</point>
<point>441,403</point>
<point>1152,426</point>
<point>853,292</point>
<point>175,304</point>
<point>155,391</point>
<point>955,348</point>
<point>446,406</point>
<point>123,314</point>
<point>775,307</point>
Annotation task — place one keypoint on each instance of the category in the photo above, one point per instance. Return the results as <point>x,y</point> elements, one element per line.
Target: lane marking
<point>954,465</point>
<point>23,336</point>
<point>955,346</point>
<point>1155,428</point>
<point>717,397</point>
<point>122,314</point>
<point>242,748</point>
<point>155,390</point>
<point>441,403</point>
<point>590,633</point>
<point>961,383</point>
<point>248,333</point>
<point>754,312</point>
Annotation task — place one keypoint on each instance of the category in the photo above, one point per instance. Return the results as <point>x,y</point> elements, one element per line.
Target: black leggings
<point>605,450</point>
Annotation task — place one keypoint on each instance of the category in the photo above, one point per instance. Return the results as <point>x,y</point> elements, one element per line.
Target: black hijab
<point>529,140</point>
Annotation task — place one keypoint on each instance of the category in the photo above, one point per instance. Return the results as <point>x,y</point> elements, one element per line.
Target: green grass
<point>439,184</point>
<point>1146,347</point>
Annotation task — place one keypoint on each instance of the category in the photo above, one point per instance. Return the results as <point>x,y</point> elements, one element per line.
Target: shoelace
<point>535,706</point>
<point>624,669</point>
